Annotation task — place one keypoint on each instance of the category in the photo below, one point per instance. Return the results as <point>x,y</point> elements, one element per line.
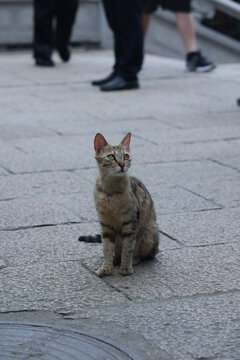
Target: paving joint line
<point>223,164</point>
<point>9,199</point>
<point>10,172</point>
<point>46,225</point>
<point>201,196</point>
<point>171,238</point>
<point>209,245</point>
<point>106,282</point>
<point>210,141</point>
<point>45,171</point>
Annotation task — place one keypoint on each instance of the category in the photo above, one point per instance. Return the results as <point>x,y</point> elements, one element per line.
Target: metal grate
<point>45,342</point>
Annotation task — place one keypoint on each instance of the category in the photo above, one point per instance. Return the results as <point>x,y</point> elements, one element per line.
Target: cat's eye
<point>111,157</point>
<point>126,157</point>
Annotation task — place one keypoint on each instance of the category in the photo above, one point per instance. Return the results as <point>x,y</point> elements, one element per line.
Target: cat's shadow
<point>146,268</point>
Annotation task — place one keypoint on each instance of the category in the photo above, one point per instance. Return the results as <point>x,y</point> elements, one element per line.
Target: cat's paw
<point>103,271</point>
<point>126,271</point>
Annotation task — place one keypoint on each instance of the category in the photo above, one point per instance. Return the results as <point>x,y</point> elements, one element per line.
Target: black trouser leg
<point>124,18</point>
<point>43,36</point>
<point>130,37</point>
<point>66,12</point>
<point>110,12</point>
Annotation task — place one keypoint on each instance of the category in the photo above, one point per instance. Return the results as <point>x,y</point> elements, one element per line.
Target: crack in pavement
<point>43,225</point>
<point>106,282</point>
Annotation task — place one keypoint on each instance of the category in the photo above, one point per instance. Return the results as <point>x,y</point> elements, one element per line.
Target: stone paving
<point>186,149</point>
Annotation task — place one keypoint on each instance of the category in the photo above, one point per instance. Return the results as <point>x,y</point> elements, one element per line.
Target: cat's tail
<point>91,239</point>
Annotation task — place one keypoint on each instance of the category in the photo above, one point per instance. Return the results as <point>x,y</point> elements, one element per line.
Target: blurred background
<point>217,27</point>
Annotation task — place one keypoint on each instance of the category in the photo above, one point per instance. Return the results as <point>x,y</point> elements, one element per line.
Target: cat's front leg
<point>129,240</point>
<point>108,250</point>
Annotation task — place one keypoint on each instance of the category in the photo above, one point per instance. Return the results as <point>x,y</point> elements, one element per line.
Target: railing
<point>229,7</point>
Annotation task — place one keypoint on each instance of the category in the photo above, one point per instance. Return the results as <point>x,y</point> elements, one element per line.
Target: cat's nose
<point>121,165</point>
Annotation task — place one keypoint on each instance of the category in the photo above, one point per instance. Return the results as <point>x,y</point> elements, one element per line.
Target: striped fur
<point>125,209</point>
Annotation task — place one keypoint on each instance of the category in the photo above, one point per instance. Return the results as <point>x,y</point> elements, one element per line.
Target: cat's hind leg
<point>149,243</point>
<point>136,260</point>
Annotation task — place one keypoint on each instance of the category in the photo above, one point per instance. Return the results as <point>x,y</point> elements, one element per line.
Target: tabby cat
<point>125,210</point>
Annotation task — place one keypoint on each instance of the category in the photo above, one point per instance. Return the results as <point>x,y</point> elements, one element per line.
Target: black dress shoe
<point>119,83</point>
<point>45,62</point>
<point>104,80</point>
<point>65,53</point>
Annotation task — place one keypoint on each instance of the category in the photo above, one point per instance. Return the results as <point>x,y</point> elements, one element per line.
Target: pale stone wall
<point>16,22</point>
<point>16,28</point>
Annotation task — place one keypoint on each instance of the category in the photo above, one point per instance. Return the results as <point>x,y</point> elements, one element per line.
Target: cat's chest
<point>113,206</point>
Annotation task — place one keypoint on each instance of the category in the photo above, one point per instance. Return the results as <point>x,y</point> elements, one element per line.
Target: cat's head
<point>112,160</point>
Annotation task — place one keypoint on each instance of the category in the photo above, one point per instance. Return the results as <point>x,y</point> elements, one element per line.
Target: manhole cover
<point>45,342</point>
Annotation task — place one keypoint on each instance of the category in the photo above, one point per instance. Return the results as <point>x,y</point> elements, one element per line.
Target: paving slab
<point>48,153</point>
<point>185,146</point>
<point>231,162</point>
<point>188,328</point>
<point>90,125</point>
<point>60,286</point>
<point>52,244</point>
<point>184,151</point>
<point>3,264</point>
<point>167,134</point>
<point>171,199</point>
<point>81,205</point>
<point>215,119</point>
<point>175,172</point>
<point>193,151</point>
<point>203,228</point>
<point>45,183</point>
<point>16,131</point>
<point>56,153</point>
<point>225,193</point>
<point>3,171</point>
<point>22,213</point>
<point>181,272</point>
<point>17,247</point>
<point>171,173</point>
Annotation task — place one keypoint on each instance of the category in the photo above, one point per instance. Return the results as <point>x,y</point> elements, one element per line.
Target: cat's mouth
<point>121,171</point>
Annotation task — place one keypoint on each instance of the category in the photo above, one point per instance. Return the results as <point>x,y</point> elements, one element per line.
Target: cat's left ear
<point>126,141</point>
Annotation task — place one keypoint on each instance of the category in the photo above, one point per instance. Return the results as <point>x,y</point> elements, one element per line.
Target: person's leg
<point>145,22</point>
<point>194,59</point>
<point>148,8</point>
<point>128,33</point>
<point>110,8</point>
<point>65,11</point>
<point>129,36</point>
<point>43,15</point>
<point>110,13</point>
<point>185,25</point>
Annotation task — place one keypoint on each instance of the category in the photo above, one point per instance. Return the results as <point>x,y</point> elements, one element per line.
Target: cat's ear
<point>126,141</point>
<point>99,142</point>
